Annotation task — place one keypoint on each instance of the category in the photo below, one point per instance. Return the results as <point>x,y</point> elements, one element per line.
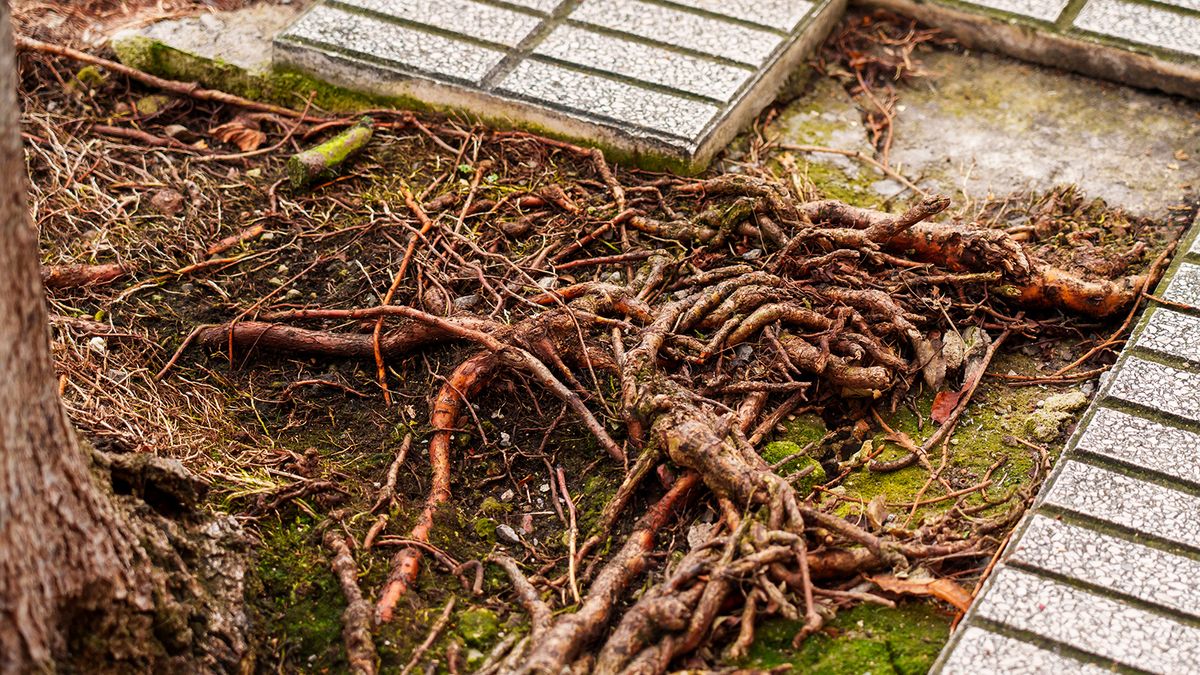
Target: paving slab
<point>1109,562</point>
<point>1144,43</point>
<point>1103,568</point>
<point>977,126</point>
<point>982,651</point>
<point>1104,627</point>
<point>666,83</point>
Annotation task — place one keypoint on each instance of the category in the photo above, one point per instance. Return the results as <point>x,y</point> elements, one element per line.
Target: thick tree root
<point>466,380</point>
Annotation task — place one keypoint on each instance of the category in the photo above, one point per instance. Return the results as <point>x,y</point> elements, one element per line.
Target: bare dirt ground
<point>846,361</point>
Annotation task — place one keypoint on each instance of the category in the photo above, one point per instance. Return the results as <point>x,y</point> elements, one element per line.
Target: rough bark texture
<point>79,586</point>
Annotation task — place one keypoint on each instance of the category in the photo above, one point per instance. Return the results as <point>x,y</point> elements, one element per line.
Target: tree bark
<point>59,536</point>
<point>106,565</point>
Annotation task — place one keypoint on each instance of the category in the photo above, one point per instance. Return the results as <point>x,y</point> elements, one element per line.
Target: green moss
<point>478,627</point>
<point>296,597</point>
<point>805,429</point>
<point>866,639</point>
<point>493,507</point>
<point>1054,413</point>
<point>91,77</point>
<point>485,529</point>
<point>778,451</point>
<point>151,105</point>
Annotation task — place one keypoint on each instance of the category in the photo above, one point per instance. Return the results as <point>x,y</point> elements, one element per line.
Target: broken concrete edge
<point>1184,251</point>
<point>1034,41</point>
<point>349,85</point>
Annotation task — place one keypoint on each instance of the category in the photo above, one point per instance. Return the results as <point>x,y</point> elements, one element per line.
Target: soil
<point>249,428</point>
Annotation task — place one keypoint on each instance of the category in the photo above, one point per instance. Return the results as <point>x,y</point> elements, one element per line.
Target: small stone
<point>698,534</point>
<point>752,254</point>
<point>506,533</point>
<point>98,345</point>
<point>211,22</point>
<point>293,293</point>
<point>507,495</point>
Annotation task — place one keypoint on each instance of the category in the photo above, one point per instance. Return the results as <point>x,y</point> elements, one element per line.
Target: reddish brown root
<point>564,640</point>
<point>466,380</point>
<point>80,276</point>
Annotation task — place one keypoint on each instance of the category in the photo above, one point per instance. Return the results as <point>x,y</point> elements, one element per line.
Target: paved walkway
<point>1104,571</point>
<point>674,80</point>
<point>1145,43</point>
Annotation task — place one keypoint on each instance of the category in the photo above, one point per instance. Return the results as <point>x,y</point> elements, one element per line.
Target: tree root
<point>467,379</point>
<point>356,619</point>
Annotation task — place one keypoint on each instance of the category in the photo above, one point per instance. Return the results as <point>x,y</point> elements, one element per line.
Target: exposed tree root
<point>834,309</point>
<point>356,619</point>
<point>81,276</point>
<point>466,380</point>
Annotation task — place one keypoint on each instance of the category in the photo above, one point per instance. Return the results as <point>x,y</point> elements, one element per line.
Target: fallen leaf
<point>942,589</point>
<point>943,405</point>
<point>877,512</point>
<point>929,356</point>
<point>242,132</point>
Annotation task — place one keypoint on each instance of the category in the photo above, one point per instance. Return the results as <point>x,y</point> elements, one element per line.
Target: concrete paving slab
<point>1137,441</point>
<point>665,82</point>
<point>1184,288</point>
<point>1137,42</point>
<point>1156,386</point>
<point>1092,623</point>
<point>1108,562</point>
<point>978,125</point>
<point>982,651</point>
<point>1172,334</point>
<point>1127,502</point>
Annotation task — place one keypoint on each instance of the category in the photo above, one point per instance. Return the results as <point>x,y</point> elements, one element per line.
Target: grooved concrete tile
<point>464,17</point>
<point>779,14</point>
<point>543,6</point>
<point>363,36</point>
<point>616,100</point>
<point>1090,622</point>
<point>1043,10</point>
<point>1143,24</point>
<point>1143,442</point>
<point>678,28</point>
<point>1154,385</point>
<point>982,651</point>
<point>1100,559</point>
<point>1172,333</point>
<point>1185,285</point>
<point>1193,5</point>
<point>643,62</point>
<point>1116,498</point>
